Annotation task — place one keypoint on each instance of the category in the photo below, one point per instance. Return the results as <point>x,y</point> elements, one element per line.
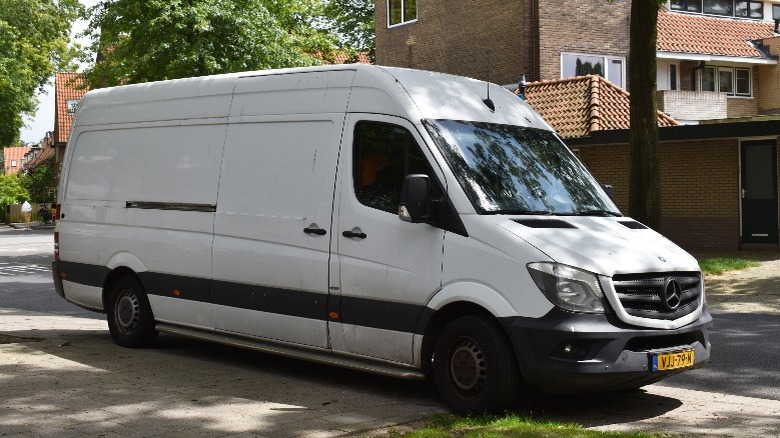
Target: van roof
<point>408,93</point>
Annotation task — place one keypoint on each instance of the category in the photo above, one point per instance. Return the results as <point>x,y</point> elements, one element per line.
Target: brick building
<point>719,179</point>
<point>718,79</point>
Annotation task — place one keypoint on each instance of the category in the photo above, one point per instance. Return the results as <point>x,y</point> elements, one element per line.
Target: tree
<point>41,181</point>
<point>645,174</point>
<point>34,38</point>
<point>353,22</point>
<point>11,192</point>
<point>149,40</point>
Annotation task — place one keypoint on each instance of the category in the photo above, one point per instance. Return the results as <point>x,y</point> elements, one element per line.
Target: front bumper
<point>569,352</point>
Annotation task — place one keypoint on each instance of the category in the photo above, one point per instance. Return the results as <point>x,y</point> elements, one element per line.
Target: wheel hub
<point>468,367</point>
<point>127,311</point>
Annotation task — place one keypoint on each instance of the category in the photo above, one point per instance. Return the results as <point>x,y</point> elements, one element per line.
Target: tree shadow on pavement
<point>79,381</point>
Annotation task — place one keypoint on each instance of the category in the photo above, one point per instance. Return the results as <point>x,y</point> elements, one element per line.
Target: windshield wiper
<point>596,213</point>
<point>529,212</point>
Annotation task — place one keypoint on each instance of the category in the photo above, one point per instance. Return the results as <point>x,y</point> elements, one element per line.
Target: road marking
<point>9,270</point>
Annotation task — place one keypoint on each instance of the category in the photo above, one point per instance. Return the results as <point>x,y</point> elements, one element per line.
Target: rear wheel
<point>130,318</point>
<point>474,367</point>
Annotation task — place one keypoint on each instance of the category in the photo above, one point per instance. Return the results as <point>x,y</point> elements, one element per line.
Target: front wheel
<point>130,318</point>
<point>474,367</point>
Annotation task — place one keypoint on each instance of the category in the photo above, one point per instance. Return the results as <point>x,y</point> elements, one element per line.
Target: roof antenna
<point>488,102</point>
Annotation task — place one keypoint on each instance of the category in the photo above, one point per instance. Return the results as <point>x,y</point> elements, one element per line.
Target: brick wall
<point>458,37</point>
<point>594,27</point>
<point>699,189</point>
<point>742,106</point>
<point>768,87</point>
<point>694,105</point>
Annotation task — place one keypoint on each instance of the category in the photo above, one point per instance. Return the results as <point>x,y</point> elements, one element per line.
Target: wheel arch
<point>458,300</point>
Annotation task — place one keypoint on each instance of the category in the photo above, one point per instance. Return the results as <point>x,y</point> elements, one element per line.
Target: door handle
<point>316,231</point>
<point>354,234</point>
<point>744,192</point>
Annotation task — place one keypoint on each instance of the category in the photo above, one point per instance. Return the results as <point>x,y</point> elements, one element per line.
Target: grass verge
<point>719,265</point>
<point>447,426</point>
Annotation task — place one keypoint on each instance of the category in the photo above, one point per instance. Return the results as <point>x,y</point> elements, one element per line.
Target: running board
<point>398,372</point>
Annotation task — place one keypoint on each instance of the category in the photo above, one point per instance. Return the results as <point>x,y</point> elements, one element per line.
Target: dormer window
<point>724,8</point>
<point>13,163</point>
<point>71,105</point>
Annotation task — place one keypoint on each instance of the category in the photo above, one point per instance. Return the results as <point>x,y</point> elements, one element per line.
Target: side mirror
<point>415,205</point>
<point>610,190</point>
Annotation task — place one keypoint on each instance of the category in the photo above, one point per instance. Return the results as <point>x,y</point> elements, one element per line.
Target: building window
<point>747,9</point>
<point>743,81</point>
<point>672,76</point>
<point>726,80</point>
<point>686,5</point>
<point>707,79</point>
<point>719,7</point>
<point>733,81</point>
<point>13,163</point>
<point>401,11</point>
<point>726,8</point>
<point>573,64</point>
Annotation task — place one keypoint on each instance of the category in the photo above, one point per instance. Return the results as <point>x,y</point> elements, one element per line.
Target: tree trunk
<point>645,175</point>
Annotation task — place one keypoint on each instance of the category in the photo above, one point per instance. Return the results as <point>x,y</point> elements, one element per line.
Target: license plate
<point>671,361</point>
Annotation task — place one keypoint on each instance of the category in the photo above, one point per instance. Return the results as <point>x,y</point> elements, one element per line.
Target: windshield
<point>506,169</point>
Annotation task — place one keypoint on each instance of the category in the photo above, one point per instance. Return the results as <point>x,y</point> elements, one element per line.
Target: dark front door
<point>759,191</point>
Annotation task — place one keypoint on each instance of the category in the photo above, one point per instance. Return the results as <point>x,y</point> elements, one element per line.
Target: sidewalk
<point>33,225</point>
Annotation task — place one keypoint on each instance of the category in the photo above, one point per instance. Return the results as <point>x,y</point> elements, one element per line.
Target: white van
<point>394,221</point>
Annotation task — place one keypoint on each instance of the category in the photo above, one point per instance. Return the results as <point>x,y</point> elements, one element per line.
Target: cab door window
<point>384,155</point>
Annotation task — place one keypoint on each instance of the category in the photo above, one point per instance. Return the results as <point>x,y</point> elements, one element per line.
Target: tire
<point>130,318</point>
<point>474,367</point>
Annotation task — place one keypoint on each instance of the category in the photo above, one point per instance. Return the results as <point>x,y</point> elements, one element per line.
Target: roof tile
<point>575,107</point>
<point>689,33</point>
<point>67,86</point>
<point>14,154</point>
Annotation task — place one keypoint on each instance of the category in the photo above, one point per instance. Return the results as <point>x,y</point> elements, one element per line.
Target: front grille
<point>652,295</point>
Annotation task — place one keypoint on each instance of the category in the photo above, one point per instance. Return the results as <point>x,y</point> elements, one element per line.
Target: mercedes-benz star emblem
<point>671,296</point>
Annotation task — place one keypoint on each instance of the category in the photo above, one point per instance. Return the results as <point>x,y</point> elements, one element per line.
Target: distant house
<point>68,91</point>
<point>12,157</point>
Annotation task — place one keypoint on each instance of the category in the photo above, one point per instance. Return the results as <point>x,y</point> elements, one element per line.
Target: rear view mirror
<point>415,202</point>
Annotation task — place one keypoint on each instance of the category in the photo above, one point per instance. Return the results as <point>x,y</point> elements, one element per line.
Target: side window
<point>384,155</point>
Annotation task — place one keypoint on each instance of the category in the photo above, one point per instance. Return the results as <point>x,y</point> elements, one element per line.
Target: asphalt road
<point>745,347</point>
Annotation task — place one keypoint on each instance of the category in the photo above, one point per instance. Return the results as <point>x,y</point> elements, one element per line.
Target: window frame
<point>700,7</point>
<point>674,83</point>
<point>728,85</point>
<point>410,149</point>
<point>607,62</point>
<point>749,71</point>
<point>404,21</point>
<point>717,86</point>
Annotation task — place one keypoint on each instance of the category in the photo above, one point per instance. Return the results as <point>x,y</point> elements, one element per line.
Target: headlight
<point>570,288</point>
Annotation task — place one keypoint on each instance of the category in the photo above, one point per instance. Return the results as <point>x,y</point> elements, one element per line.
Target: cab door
<point>383,269</point>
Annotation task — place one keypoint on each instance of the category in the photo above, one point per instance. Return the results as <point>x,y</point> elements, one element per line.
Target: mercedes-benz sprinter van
<point>394,221</point>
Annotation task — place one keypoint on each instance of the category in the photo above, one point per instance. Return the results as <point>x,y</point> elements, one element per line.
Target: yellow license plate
<point>671,361</point>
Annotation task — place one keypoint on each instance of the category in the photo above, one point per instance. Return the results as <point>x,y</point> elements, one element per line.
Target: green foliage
<point>353,22</point>
<point>41,181</point>
<point>719,265</point>
<point>447,426</point>
<point>34,37</point>
<point>149,40</point>
<point>11,192</point>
